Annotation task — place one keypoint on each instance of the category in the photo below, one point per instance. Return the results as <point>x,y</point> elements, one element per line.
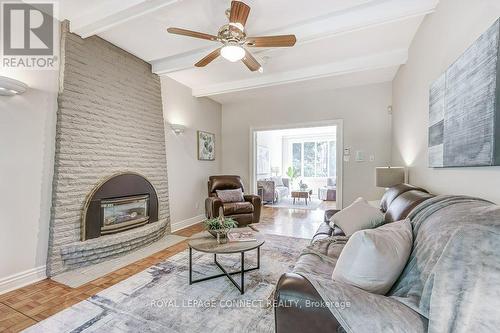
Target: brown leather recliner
<point>244,213</point>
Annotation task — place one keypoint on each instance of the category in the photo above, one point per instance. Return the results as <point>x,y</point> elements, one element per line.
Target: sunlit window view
<point>297,165</point>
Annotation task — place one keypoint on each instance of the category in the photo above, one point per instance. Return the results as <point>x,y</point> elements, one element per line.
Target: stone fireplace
<point>110,188</point>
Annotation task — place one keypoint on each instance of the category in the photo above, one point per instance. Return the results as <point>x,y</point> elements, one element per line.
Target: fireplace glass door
<point>124,213</point>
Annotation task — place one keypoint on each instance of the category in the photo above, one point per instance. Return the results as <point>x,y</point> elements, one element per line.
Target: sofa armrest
<point>366,312</point>
<point>212,207</point>
<point>253,199</point>
<point>256,201</point>
<point>299,307</point>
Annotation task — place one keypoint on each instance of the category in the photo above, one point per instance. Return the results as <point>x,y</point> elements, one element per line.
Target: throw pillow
<point>278,181</point>
<point>374,259</point>
<point>231,195</point>
<point>357,216</point>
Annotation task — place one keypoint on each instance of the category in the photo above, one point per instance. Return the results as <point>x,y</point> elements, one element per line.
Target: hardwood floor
<point>26,306</point>
<point>299,223</point>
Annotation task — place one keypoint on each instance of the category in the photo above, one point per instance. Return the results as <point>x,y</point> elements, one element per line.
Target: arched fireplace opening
<point>119,203</point>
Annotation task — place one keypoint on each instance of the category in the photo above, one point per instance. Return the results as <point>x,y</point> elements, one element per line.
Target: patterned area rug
<point>160,298</point>
<point>313,204</point>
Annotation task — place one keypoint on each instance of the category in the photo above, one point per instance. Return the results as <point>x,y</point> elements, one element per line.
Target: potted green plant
<point>220,226</point>
<point>292,174</point>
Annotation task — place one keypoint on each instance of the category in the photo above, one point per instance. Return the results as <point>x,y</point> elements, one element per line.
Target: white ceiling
<point>308,86</point>
<point>350,41</point>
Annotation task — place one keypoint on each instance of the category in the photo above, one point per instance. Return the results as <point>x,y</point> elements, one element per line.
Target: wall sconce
<point>177,128</point>
<point>10,87</point>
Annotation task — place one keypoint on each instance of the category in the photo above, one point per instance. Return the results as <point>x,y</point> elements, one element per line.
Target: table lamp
<point>389,176</point>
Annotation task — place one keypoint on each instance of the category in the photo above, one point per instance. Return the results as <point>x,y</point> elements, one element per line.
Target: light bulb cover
<point>232,52</point>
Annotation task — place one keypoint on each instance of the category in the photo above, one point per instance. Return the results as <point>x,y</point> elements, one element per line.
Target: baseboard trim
<point>176,226</point>
<point>22,279</point>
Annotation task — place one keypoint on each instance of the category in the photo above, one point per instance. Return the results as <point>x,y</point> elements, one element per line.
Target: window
<point>321,159</point>
<point>308,159</point>
<point>297,157</point>
<point>313,158</point>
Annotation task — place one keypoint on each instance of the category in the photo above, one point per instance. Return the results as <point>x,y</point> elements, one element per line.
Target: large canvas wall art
<point>464,110</point>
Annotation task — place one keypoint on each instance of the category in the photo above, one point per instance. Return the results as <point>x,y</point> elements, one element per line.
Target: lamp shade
<point>389,176</point>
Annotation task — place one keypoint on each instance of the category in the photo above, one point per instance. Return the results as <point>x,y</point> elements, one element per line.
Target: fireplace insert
<point>119,203</point>
<point>124,213</point>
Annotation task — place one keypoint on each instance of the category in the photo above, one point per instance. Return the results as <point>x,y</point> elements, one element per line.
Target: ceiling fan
<point>235,40</point>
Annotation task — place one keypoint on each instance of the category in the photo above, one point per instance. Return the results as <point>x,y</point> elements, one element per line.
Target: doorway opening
<point>298,167</point>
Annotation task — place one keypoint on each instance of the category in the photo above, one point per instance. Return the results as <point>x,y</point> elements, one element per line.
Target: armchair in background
<point>274,189</point>
<point>244,212</point>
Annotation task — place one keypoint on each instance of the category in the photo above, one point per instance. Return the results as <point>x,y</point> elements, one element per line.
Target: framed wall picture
<point>206,146</point>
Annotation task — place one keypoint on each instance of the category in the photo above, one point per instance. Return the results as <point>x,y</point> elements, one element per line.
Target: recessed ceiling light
<point>10,87</point>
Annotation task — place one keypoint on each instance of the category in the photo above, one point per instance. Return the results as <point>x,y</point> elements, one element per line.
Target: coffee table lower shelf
<point>241,286</point>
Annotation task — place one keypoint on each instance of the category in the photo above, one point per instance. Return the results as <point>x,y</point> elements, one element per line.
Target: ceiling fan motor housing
<point>231,33</point>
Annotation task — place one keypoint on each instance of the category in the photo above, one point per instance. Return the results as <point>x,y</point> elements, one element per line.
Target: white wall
<point>366,127</point>
<point>441,39</point>
<point>27,142</point>
<point>187,176</point>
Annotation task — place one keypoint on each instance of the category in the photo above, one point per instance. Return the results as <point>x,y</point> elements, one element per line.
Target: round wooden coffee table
<point>205,242</point>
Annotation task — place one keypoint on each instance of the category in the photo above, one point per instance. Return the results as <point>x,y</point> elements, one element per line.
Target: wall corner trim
<point>176,226</point>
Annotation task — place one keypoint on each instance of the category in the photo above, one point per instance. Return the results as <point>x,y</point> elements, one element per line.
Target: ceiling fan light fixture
<point>234,39</point>
<point>232,52</point>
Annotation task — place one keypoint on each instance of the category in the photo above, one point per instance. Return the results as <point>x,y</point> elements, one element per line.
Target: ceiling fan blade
<point>209,58</point>
<point>190,33</point>
<point>251,62</point>
<point>272,41</point>
<point>239,12</point>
